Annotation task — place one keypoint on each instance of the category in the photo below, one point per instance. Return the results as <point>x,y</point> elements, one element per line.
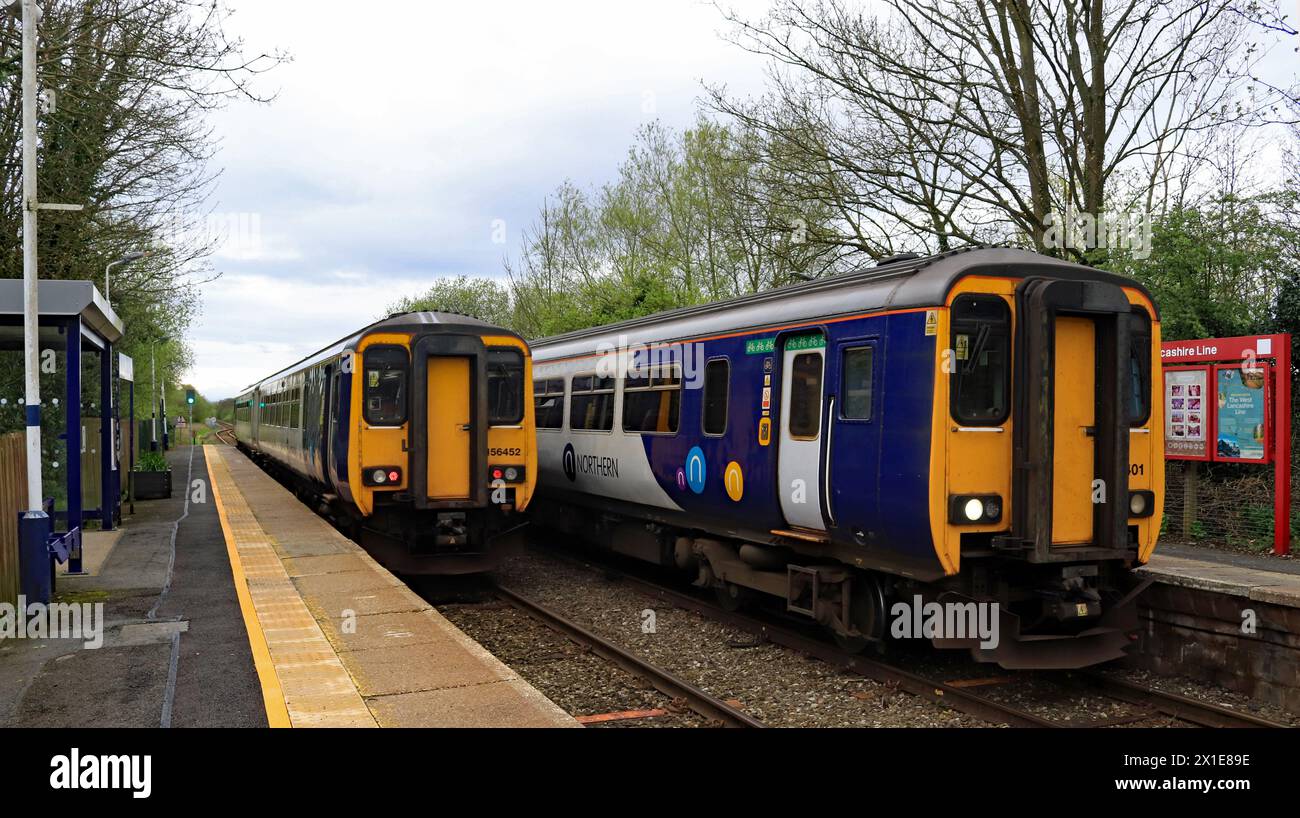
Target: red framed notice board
<point>1188,421</point>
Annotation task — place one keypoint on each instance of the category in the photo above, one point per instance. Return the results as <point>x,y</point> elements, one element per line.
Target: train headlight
<point>381,475</point>
<point>971,509</point>
<point>1141,503</point>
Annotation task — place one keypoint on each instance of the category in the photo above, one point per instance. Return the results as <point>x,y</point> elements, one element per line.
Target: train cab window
<point>505,386</point>
<point>981,348</point>
<point>591,403</point>
<point>652,402</point>
<point>548,403</point>
<point>717,387</point>
<point>385,386</point>
<point>855,383</point>
<point>1139,368</point>
<point>806,396</point>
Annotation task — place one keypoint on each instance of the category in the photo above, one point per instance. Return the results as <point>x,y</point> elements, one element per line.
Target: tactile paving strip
<point>318,691</point>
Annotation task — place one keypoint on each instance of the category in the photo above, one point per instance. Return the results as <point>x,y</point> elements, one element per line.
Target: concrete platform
<point>1223,617</point>
<point>339,641</point>
<point>173,650</point>
<point>1258,578</point>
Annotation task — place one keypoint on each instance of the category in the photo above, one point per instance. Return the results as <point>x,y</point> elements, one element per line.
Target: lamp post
<point>31,313</point>
<point>108,270</point>
<point>155,400</point>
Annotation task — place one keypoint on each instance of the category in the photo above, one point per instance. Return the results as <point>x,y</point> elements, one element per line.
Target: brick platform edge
<point>1192,622</point>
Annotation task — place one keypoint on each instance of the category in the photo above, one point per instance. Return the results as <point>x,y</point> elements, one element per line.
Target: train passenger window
<point>806,396</point>
<point>548,403</point>
<point>717,387</point>
<point>591,403</point>
<point>385,386</point>
<point>505,386</point>
<point>981,350</point>
<point>1139,371</point>
<point>652,402</point>
<point>855,383</point>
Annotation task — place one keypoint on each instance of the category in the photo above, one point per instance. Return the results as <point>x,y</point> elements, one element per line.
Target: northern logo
<point>570,462</point>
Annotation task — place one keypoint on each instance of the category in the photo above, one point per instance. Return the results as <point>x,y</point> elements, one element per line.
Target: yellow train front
<point>413,434</point>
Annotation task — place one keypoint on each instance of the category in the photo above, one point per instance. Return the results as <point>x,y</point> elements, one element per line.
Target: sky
<point>413,140</point>
<point>408,138</point>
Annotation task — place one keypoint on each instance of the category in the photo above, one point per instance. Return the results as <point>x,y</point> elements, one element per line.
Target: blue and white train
<point>973,426</point>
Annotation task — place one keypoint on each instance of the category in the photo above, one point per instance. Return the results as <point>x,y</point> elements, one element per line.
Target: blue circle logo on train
<point>696,469</point>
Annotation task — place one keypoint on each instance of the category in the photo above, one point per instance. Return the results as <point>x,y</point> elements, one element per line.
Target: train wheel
<point>730,596</point>
<point>867,613</point>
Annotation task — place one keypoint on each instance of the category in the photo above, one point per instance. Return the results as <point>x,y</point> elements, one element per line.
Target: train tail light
<point>506,474</point>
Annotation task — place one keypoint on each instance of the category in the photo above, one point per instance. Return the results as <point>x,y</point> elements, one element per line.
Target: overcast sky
<point>403,130</point>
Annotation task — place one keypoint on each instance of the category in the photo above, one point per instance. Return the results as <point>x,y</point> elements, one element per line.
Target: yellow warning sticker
<point>931,322</point>
<point>764,431</point>
<point>963,347</point>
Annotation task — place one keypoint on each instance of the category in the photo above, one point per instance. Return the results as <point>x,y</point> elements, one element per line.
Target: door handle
<point>465,427</point>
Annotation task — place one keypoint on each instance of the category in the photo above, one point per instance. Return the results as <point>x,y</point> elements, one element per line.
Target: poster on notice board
<point>1186,416</point>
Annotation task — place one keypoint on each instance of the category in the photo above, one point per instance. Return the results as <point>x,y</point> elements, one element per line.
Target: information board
<point>1187,419</point>
<point>1241,398</point>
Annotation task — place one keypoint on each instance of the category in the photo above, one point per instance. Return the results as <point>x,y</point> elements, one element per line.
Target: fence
<point>13,499</point>
<point>1222,504</point>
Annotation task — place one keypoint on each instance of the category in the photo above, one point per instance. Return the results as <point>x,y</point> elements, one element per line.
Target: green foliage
<point>151,461</point>
<point>481,298</point>
<point>1227,267</point>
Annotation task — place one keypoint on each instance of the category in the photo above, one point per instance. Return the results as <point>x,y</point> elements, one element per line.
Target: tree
<point>129,84</point>
<point>480,298</point>
<point>940,123</point>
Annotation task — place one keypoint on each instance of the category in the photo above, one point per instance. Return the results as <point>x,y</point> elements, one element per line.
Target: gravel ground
<point>575,679</point>
<point>771,683</point>
<point>1208,693</point>
<point>779,686</point>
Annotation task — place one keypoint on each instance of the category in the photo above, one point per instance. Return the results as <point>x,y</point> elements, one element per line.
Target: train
<point>972,430</point>
<point>427,459</point>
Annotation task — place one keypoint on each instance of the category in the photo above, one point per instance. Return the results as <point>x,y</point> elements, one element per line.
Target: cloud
<point>402,133</point>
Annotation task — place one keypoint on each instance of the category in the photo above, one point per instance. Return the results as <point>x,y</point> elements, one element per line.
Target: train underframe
<point>1048,616</point>
<point>410,541</point>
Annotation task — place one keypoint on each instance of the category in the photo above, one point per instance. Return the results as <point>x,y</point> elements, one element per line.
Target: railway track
<point>715,711</point>
<point>226,433</point>
<point>1151,702</point>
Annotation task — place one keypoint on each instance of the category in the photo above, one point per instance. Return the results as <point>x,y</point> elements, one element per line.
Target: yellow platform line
<point>304,683</point>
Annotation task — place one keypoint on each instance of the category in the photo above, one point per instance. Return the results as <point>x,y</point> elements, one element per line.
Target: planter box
<point>153,485</point>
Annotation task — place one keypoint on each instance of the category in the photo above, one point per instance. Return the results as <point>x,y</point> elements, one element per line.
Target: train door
<point>852,438</point>
<point>1074,420</point>
<point>450,427</point>
<point>327,390</point>
<point>799,452</point>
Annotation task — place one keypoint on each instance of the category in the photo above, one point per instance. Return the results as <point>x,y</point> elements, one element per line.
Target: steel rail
<point>711,708</point>
<point>1181,707</point>
<point>962,700</point>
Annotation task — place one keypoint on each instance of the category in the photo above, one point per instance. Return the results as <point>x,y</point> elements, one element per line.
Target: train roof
<point>422,321</point>
<point>906,283</point>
